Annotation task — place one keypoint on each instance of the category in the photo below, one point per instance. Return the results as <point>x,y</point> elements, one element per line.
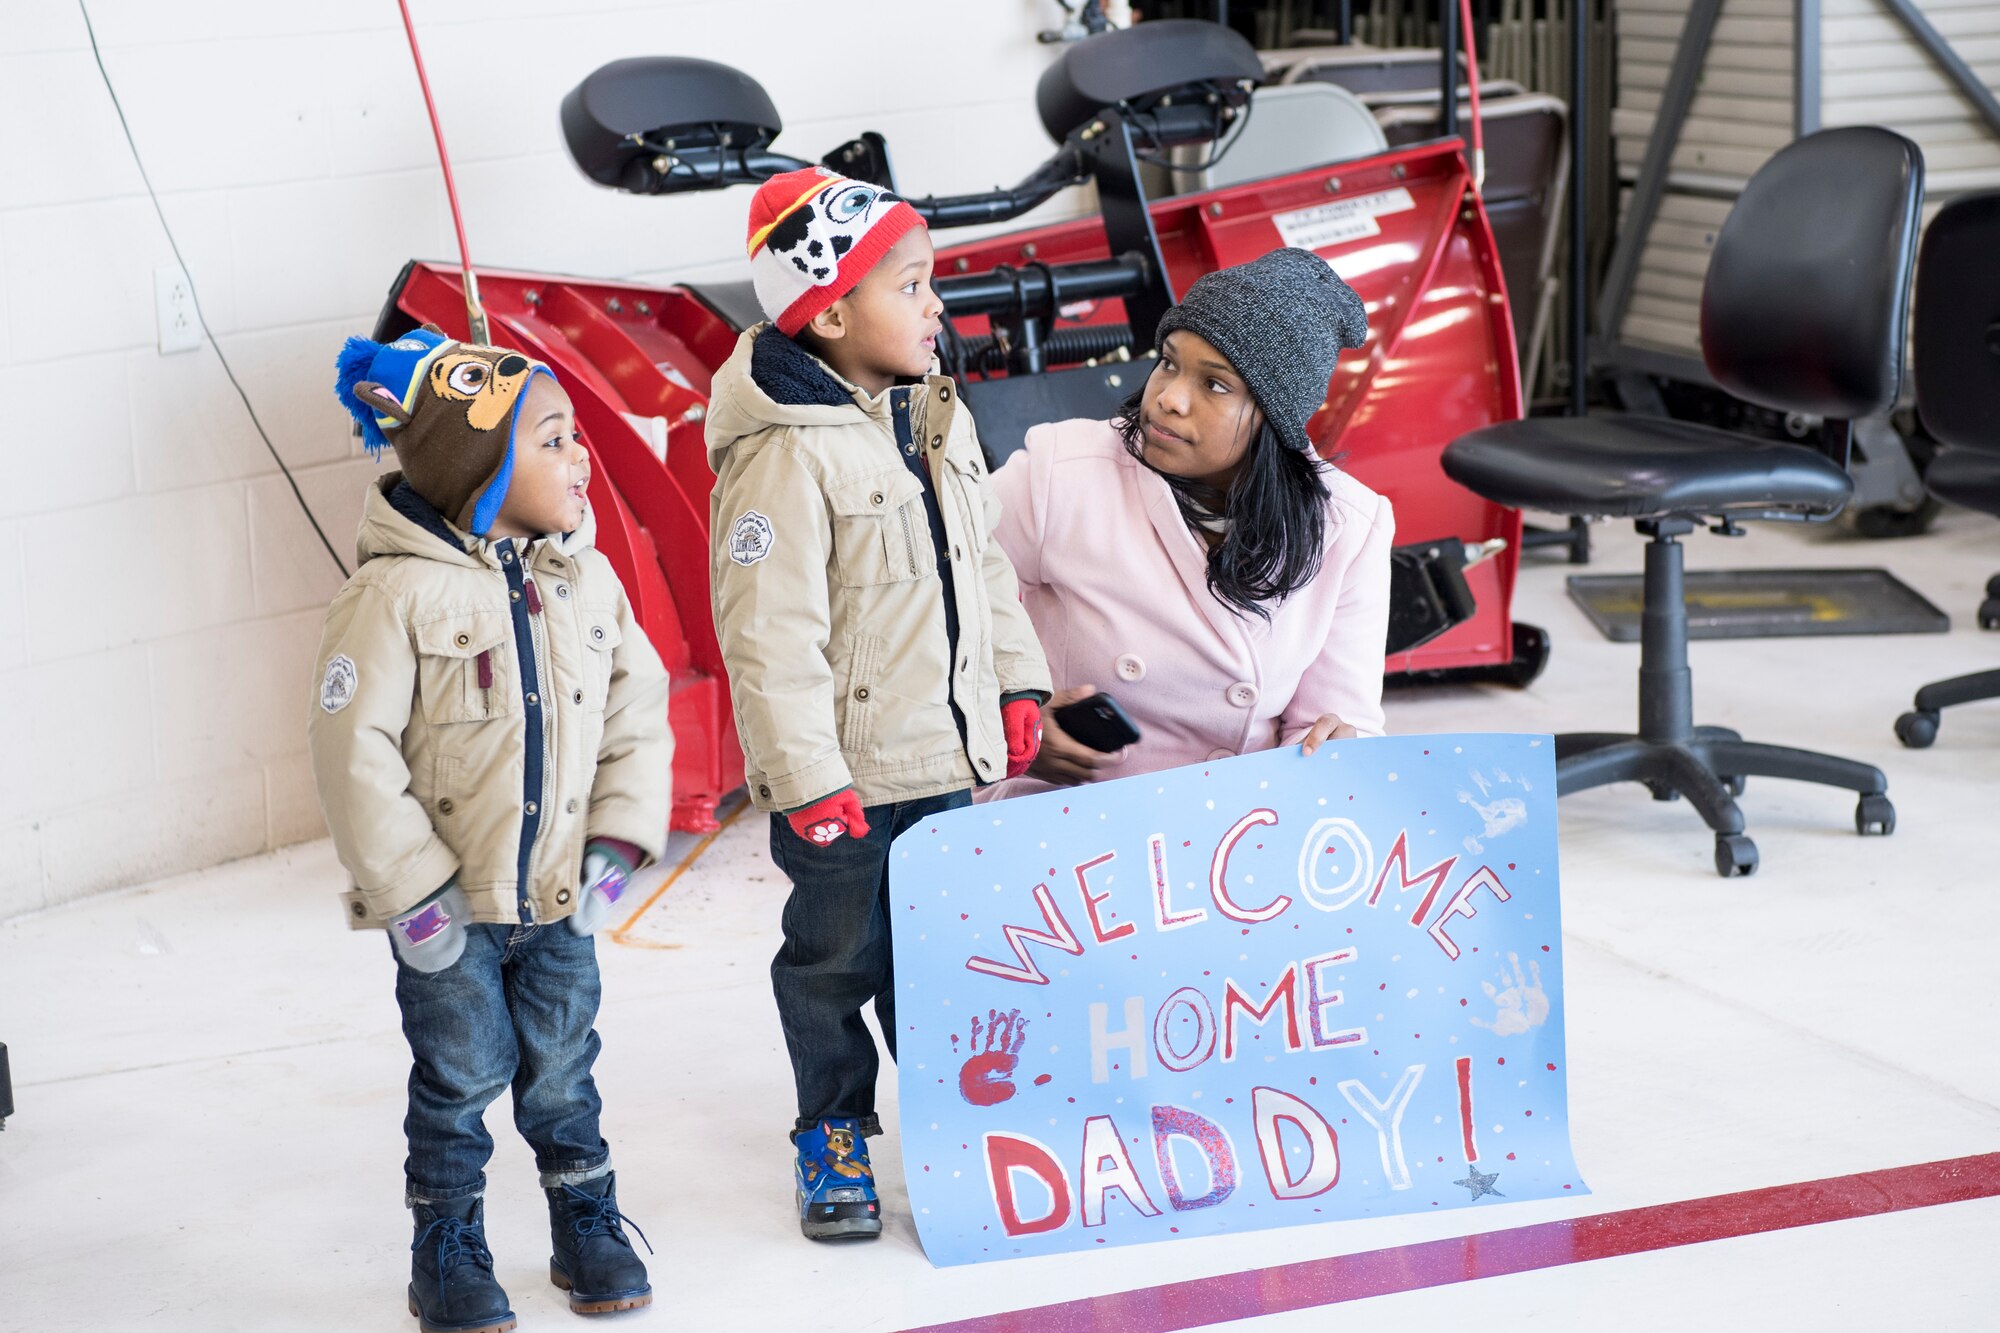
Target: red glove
<point>1021,720</point>
<point>828,818</point>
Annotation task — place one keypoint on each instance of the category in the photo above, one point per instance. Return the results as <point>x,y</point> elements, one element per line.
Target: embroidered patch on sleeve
<point>750,538</point>
<point>337,690</point>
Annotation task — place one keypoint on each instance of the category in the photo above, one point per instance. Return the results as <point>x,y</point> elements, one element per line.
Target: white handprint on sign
<point>1503,814</point>
<point>1520,1006</point>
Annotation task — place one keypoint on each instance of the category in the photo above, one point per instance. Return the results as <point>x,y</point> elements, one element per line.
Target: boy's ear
<point>382,402</point>
<point>830,324</point>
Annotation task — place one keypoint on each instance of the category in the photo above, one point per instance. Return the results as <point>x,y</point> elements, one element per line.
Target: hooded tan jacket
<point>472,718</point>
<point>828,601</point>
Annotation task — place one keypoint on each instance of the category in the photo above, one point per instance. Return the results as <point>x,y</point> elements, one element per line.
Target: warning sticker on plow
<point>1327,225</point>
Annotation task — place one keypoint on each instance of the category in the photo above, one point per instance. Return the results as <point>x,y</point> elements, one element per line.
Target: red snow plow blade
<point>1403,227</point>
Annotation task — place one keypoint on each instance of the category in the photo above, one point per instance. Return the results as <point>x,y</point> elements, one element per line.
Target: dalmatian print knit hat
<point>813,236</point>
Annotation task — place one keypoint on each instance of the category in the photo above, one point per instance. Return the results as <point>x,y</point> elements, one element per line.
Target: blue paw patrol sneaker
<point>835,1182</point>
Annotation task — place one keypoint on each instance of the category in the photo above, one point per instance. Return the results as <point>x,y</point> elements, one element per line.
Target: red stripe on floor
<point>1353,1277</point>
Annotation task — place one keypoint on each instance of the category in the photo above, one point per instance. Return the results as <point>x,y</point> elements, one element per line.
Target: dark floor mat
<point>1767,603</point>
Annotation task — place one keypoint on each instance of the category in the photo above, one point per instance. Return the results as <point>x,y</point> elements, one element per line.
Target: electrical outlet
<point>180,326</point>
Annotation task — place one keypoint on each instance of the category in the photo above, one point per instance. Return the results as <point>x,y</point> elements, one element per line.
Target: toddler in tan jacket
<point>489,734</point>
<point>879,660</point>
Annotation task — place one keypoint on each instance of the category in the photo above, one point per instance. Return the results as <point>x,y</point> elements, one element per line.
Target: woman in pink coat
<point>1193,557</point>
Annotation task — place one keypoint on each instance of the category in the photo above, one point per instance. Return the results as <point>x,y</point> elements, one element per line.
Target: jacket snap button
<point>359,910</point>
<point>944,393</point>
<point>571,807</point>
<point>506,557</point>
<point>534,698</point>
<point>562,895</point>
<point>597,632</point>
<point>562,590</point>
<point>965,664</point>
<point>862,694</point>
<point>445,806</point>
<point>464,639</point>
<point>577,697</point>
<point>764,791</point>
<point>876,498</point>
<point>986,765</point>
<point>1242,694</point>
<point>531,807</point>
<point>1131,667</point>
<point>515,595</point>
<point>936,440</point>
<point>957,554</point>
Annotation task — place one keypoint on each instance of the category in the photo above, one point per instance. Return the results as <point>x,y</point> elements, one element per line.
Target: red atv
<point>1043,325</point>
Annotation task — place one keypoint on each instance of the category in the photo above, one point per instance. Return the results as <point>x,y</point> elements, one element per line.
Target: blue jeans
<point>836,958</point>
<point>517,1008</point>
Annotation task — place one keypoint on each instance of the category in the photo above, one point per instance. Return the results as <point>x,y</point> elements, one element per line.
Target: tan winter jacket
<point>471,718</point>
<point>828,601</point>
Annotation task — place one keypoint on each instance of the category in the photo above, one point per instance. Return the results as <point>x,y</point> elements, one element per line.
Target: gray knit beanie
<point>1282,320</point>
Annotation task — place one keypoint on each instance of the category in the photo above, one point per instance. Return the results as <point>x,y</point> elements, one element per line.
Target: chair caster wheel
<point>1735,855</point>
<point>1661,791</point>
<point>1917,729</point>
<point>1874,816</point>
<point>1989,613</point>
<point>1531,655</point>
<point>1735,785</point>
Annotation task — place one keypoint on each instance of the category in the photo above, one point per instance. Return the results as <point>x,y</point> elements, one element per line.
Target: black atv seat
<point>1141,66</point>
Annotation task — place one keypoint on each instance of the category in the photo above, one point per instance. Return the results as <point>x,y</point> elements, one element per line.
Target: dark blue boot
<point>593,1261</point>
<point>451,1271</point>
<point>836,1183</point>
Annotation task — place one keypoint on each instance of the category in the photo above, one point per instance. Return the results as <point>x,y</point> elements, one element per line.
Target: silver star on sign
<point>1480,1183</point>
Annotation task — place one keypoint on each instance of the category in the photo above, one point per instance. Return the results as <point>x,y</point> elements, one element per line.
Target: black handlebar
<point>684,170</point>
<point>1065,169</point>
<point>1040,290</point>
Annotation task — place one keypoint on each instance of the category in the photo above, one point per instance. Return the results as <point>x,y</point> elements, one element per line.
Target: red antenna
<point>475,313</point>
<point>1472,82</point>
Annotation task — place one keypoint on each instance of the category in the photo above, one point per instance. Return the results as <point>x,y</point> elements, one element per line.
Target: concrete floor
<point>209,1073</point>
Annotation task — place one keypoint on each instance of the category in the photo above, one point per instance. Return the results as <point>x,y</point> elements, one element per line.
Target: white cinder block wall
<point>160,592</point>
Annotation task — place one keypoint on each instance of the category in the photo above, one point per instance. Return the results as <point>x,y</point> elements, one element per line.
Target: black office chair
<point>1802,311</point>
<point>1955,343</point>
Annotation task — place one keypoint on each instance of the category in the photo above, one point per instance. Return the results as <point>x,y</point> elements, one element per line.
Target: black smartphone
<point>1099,723</point>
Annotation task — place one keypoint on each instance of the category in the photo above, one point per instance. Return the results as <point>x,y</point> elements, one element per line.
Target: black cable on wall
<point>195,297</point>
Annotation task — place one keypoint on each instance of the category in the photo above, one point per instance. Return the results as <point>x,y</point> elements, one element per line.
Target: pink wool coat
<point>1114,582</point>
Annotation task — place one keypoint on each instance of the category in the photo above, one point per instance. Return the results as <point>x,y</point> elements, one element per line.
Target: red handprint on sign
<point>987,1079</point>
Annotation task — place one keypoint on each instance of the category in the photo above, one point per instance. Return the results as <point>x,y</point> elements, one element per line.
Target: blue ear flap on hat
<point>362,399</point>
<point>376,382</point>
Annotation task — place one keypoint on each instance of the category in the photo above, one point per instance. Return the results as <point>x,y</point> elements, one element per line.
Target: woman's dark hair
<point>1276,513</point>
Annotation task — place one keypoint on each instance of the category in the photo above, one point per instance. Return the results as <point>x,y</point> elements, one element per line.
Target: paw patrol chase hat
<point>448,409</point>
<point>814,235</point>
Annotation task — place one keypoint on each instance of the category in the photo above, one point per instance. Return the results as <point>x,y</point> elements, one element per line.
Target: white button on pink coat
<point>1110,573</point>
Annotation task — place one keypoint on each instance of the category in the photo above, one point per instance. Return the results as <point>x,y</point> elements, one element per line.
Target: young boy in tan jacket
<point>489,734</point>
<point>879,659</point>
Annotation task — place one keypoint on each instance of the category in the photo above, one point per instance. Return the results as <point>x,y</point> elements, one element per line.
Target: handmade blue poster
<point>1266,991</point>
